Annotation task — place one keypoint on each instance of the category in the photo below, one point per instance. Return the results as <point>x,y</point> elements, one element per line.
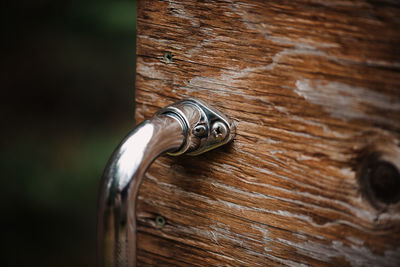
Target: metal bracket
<point>206,128</point>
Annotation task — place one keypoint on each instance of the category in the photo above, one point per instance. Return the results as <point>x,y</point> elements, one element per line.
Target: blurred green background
<point>67,100</point>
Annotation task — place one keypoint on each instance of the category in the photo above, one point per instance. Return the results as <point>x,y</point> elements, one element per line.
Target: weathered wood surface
<point>314,87</point>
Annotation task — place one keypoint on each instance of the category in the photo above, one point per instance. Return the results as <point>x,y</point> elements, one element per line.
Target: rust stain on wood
<point>312,85</point>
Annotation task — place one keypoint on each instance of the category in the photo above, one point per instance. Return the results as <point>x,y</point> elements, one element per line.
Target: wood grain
<point>314,86</point>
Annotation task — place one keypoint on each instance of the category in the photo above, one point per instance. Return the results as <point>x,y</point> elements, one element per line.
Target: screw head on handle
<point>219,131</point>
<point>200,130</point>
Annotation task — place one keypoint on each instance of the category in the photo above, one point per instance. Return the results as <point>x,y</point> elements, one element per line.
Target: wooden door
<point>312,176</point>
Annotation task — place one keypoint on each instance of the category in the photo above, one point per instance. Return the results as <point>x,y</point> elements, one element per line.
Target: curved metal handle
<point>189,126</point>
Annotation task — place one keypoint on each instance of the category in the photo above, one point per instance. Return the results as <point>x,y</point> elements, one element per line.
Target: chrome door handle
<point>189,126</point>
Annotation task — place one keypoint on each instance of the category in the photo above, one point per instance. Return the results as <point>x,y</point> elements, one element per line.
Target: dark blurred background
<point>67,99</point>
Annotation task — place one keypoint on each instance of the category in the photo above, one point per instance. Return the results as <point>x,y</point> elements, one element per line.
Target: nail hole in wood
<point>168,57</point>
<point>379,180</point>
<point>160,221</point>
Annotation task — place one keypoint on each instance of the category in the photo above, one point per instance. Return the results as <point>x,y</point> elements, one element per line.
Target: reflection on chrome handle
<point>189,126</point>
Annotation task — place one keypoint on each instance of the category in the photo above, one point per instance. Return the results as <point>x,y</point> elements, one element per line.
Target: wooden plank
<point>312,176</point>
